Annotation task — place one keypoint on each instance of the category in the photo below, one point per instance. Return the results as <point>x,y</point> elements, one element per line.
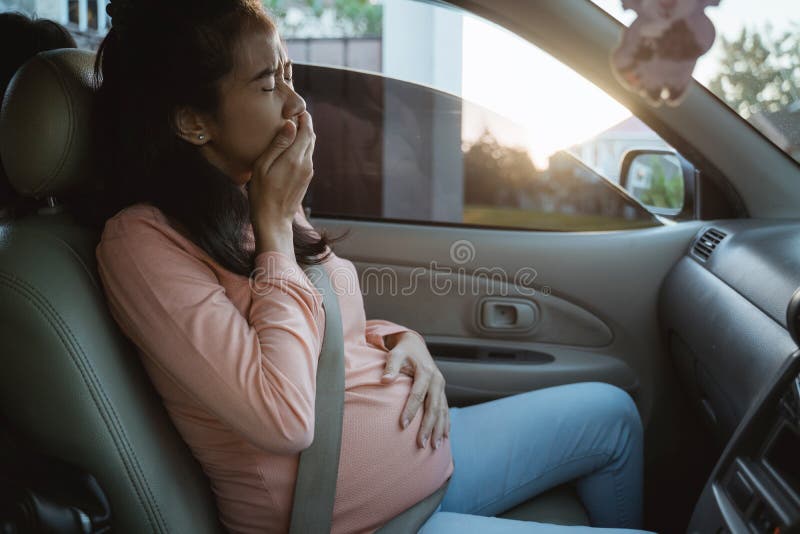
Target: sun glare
<point>554,107</point>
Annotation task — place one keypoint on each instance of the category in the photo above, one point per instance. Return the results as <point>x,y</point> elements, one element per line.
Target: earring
<point>201,137</point>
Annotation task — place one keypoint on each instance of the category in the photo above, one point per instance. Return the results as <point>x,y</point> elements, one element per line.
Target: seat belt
<point>315,489</point>
<point>412,519</point>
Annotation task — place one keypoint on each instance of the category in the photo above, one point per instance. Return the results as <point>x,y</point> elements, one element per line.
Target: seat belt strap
<point>411,520</point>
<point>315,489</point>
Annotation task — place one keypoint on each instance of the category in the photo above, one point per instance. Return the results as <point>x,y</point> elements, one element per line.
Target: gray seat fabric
<point>70,382</point>
<point>560,506</point>
<point>74,386</point>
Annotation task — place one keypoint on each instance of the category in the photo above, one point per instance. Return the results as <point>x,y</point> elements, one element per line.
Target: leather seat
<point>71,384</point>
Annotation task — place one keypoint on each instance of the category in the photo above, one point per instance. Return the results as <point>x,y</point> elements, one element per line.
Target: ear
<point>192,126</point>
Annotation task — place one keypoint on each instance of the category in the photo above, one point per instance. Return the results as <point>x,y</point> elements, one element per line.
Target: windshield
<point>754,65</point>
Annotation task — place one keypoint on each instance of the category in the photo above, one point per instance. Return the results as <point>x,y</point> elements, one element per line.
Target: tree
<point>664,192</point>
<point>351,18</point>
<point>759,73</point>
<point>364,16</point>
<point>497,174</point>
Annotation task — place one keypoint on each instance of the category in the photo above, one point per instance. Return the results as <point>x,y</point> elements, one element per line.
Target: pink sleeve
<point>377,328</point>
<point>256,372</point>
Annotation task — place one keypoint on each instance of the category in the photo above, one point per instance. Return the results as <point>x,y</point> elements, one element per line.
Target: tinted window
<point>392,149</point>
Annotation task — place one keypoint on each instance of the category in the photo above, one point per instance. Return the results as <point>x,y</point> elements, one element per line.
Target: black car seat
<point>71,384</point>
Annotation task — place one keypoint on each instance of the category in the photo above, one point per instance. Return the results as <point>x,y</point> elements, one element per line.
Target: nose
<point>294,104</point>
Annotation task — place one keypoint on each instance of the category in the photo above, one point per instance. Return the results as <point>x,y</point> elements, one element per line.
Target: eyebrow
<point>269,71</point>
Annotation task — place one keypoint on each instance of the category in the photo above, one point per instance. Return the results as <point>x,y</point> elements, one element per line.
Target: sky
<point>558,107</point>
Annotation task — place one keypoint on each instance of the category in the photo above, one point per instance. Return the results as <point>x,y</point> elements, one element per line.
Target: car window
<point>390,149</point>
<point>455,120</point>
<point>448,120</point>
<point>754,64</point>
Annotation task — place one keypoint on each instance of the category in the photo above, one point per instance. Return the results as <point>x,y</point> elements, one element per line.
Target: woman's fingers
<point>432,413</point>
<point>428,420</point>
<point>308,156</point>
<point>440,413</point>
<point>305,137</point>
<point>394,361</point>
<point>282,173</point>
<point>427,389</point>
<point>447,428</point>
<point>278,146</point>
<point>309,153</point>
<point>417,396</point>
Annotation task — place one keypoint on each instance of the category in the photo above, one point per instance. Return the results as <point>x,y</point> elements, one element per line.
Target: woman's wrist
<point>274,236</point>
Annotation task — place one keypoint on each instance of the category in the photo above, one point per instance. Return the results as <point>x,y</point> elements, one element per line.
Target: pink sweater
<point>236,367</point>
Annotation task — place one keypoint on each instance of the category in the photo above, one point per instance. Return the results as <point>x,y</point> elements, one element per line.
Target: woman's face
<point>256,98</point>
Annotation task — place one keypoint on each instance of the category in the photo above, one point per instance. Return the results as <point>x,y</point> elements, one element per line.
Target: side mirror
<point>662,180</point>
<point>793,317</point>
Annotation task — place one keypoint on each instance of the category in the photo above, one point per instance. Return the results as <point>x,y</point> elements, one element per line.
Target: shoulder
<point>136,219</point>
<point>143,232</point>
<point>339,268</point>
<point>139,249</point>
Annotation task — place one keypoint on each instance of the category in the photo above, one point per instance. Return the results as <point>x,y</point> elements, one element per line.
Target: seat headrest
<point>45,123</point>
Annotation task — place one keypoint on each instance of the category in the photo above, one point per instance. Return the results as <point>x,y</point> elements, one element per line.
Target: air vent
<point>704,246</point>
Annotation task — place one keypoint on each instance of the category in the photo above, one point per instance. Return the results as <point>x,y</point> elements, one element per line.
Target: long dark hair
<point>157,57</point>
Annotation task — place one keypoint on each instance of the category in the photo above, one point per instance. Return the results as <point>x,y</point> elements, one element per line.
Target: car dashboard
<point>723,313</point>
<point>729,310</point>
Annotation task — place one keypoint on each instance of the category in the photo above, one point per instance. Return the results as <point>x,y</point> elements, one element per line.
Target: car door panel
<point>455,300</point>
<point>596,293</point>
<point>470,382</point>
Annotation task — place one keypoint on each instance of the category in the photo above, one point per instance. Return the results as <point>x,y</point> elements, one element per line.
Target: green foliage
<point>759,73</point>
<point>366,17</point>
<point>276,8</point>
<point>495,173</point>
<point>354,18</point>
<point>502,183</point>
<point>664,192</point>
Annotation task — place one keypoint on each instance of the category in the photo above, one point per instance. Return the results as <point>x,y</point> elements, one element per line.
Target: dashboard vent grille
<point>704,246</point>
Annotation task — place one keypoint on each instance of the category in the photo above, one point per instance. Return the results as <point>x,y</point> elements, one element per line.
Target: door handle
<point>498,314</point>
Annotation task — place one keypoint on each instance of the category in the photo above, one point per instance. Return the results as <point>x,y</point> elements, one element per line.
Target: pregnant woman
<point>209,154</point>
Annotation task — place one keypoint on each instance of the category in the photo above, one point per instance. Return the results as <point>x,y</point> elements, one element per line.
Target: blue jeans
<point>509,450</point>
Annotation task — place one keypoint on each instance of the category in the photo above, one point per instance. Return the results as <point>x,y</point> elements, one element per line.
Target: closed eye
<point>268,80</point>
<point>263,77</point>
<point>268,73</point>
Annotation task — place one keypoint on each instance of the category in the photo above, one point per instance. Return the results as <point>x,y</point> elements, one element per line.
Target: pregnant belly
<point>382,470</point>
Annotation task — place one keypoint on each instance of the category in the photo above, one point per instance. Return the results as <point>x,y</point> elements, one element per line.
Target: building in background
<point>428,52</point>
<point>85,19</point>
<point>604,152</point>
<point>411,41</point>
